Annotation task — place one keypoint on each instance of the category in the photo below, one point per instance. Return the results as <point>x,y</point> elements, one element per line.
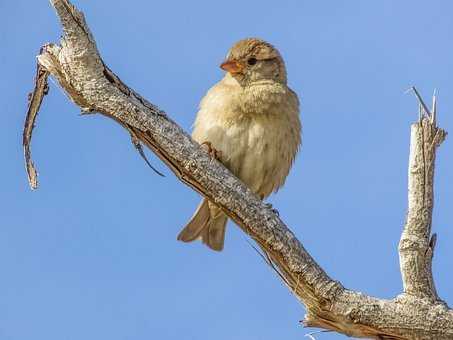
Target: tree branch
<point>34,103</point>
<point>416,246</point>
<point>79,69</point>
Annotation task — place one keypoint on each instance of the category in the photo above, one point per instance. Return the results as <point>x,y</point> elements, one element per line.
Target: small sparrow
<point>251,117</point>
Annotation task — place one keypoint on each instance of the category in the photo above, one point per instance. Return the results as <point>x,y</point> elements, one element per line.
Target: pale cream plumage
<point>252,117</point>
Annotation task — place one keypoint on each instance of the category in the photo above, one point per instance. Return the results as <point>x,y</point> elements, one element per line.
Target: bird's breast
<point>257,131</point>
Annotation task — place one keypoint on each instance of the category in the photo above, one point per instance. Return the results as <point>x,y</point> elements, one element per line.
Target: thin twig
<point>434,109</point>
<point>136,142</point>
<point>310,335</point>
<point>266,258</point>
<point>420,100</point>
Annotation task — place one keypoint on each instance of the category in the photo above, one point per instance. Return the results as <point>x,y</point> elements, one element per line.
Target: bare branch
<point>422,104</point>
<point>79,69</point>
<point>416,245</point>
<point>138,146</point>
<point>34,103</point>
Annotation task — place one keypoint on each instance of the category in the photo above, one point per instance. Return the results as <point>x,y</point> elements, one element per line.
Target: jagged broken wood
<point>415,314</point>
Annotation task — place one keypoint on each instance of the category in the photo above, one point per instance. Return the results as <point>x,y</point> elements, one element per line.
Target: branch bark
<point>34,103</point>
<point>416,246</point>
<point>79,69</point>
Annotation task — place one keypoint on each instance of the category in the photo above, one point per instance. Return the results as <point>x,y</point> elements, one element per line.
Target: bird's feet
<point>275,211</point>
<point>214,153</point>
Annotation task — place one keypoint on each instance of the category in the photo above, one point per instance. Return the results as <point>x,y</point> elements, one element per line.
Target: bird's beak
<point>232,66</point>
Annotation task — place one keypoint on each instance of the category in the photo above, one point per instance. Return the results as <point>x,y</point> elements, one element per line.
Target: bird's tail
<point>208,223</point>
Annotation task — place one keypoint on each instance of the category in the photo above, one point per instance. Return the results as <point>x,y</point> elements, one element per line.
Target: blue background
<point>93,253</point>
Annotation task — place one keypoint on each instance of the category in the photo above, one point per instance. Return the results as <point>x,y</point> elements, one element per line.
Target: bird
<point>251,119</point>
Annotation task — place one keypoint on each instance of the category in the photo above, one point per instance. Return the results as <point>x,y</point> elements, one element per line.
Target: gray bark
<point>416,246</point>
<point>416,314</point>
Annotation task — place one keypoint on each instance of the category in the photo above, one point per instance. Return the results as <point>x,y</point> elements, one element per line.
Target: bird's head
<point>251,60</point>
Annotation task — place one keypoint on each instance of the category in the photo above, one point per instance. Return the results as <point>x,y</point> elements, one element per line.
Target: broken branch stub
<point>416,246</point>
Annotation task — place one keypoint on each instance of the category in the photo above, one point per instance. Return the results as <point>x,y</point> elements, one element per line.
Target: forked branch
<point>79,69</point>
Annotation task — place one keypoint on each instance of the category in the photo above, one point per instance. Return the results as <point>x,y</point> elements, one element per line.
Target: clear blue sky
<point>93,253</point>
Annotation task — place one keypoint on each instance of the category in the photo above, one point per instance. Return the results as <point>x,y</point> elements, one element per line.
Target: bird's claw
<point>213,152</point>
<point>275,211</point>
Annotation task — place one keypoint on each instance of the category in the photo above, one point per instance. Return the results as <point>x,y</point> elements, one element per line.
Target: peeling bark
<point>415,314</point>
<point>34,103</point>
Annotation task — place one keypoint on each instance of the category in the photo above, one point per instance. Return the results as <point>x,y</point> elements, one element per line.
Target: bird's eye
<point>251,61</point>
